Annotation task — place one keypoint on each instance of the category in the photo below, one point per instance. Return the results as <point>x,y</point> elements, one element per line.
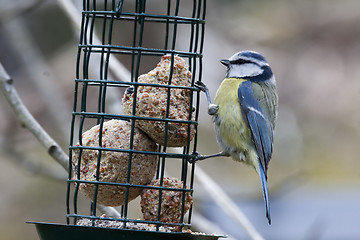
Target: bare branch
<point>35,64</point>
<point>28,121</point>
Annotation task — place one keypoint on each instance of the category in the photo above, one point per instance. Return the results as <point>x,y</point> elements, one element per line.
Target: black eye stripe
<point>240,61</point>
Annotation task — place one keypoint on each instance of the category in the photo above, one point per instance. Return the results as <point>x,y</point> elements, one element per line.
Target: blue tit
<point>244,114</point>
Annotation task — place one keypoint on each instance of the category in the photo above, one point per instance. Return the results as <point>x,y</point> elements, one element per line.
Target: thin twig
<point>25,160</point>
<point>28,121</point>
<point>35,65</point>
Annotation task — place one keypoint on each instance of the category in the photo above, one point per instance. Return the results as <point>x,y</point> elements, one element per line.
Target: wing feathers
<point>259,123</point>
<point>265,193</point>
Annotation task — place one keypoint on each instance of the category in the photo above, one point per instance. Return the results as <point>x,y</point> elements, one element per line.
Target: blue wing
<point>259,123</point>
<point>262,133</point>
<point>265,193</point>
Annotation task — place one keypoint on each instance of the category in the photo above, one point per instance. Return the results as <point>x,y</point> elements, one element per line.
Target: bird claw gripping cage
<point>120,151</point>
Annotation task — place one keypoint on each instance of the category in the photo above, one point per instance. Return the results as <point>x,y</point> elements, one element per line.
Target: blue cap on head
<point>252,54</point>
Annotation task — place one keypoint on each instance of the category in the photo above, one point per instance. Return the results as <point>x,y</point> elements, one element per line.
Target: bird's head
<point>249,65</point>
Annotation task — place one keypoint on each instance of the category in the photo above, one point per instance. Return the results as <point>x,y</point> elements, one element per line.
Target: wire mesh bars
<point>121,151</point>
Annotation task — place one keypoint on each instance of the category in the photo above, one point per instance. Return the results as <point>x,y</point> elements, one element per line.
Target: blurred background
<point>314,176</point>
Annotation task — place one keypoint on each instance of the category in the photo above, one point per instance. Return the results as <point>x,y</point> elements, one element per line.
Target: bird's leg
<point>213,108</point>
<point>203,88</point>
<point>199,157</point>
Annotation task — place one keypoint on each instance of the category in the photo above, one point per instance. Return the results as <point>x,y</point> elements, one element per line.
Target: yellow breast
<point>232,134</point>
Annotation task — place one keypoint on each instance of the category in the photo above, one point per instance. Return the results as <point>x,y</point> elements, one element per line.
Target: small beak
<point>225,62</point>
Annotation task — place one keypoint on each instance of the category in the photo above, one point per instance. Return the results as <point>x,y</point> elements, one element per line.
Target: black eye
<point>240,61</point>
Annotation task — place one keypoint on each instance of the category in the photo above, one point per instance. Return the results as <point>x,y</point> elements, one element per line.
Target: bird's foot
<point>213,108</point>
<point>201,86</point>
<point>196,157</point>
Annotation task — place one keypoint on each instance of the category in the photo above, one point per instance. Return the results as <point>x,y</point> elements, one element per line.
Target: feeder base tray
<point>53,231</point>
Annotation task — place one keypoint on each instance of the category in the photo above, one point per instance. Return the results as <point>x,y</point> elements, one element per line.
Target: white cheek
<point>245,70</point>
<point>272,81</point>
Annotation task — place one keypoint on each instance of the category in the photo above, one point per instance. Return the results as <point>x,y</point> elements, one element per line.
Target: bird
<point>244,114</point>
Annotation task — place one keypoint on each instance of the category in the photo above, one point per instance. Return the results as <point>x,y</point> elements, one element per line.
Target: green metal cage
<point>137,33</point>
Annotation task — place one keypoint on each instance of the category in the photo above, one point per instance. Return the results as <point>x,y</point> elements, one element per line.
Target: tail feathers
<point>265,192</point>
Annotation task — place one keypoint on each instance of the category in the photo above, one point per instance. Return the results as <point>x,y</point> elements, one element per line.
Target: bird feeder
<point>126,123</point>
